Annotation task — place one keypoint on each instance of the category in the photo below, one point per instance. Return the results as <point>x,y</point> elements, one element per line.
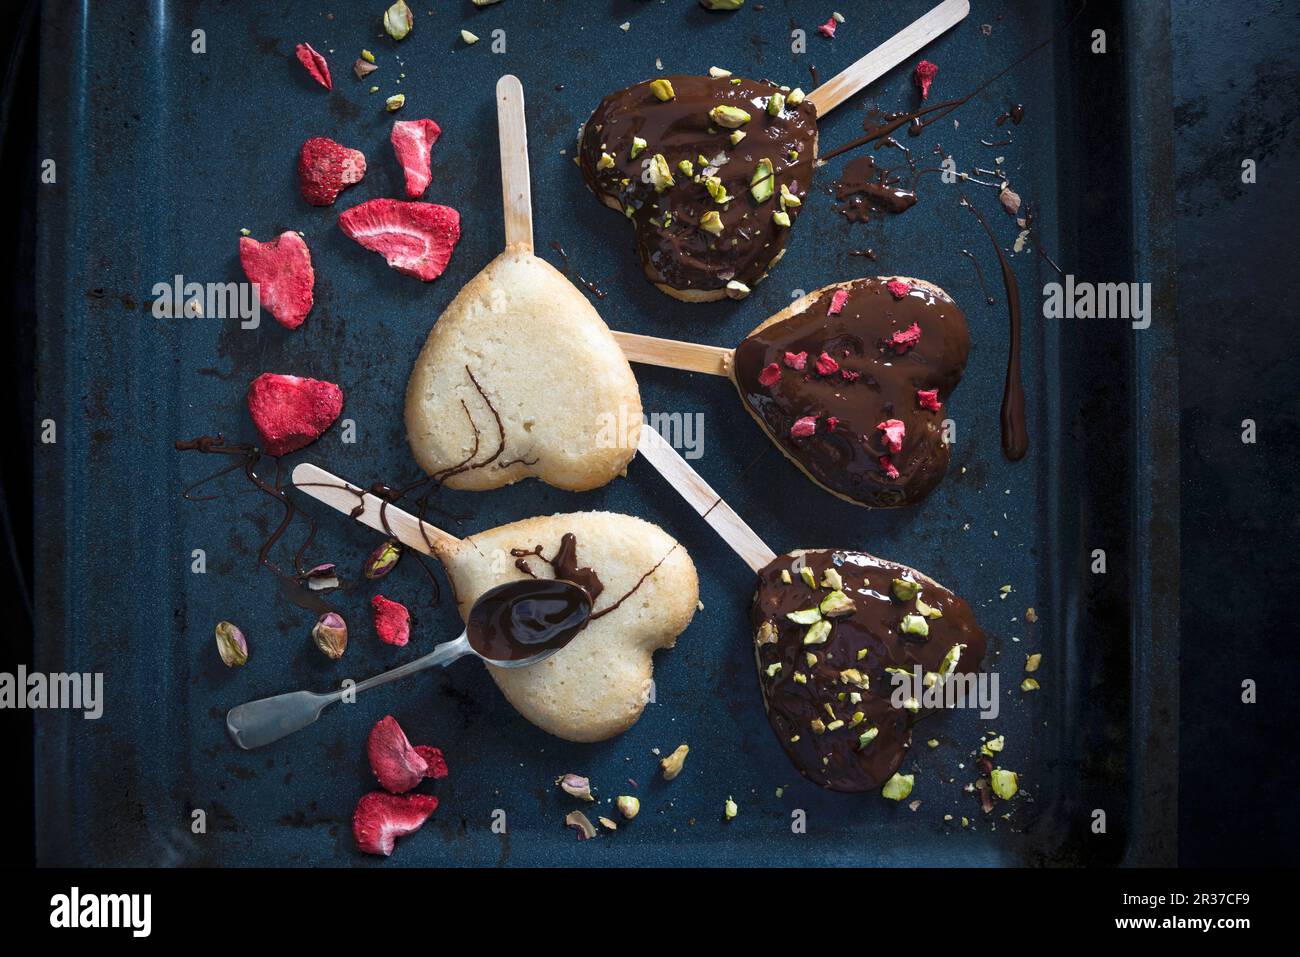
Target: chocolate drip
<point>1015,431</point>
<point>674,248</point>
<point>564,565</point>
<point>875,383</point>
<point>585,283</point>
<point>867,188</point>
<point>852,661</point>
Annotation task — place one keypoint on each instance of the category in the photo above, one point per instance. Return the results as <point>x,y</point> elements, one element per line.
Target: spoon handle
<point>255,724</point>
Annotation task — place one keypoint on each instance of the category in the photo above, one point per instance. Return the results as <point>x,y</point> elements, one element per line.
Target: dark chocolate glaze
<point>681,254</point>
<point>846,458</point>
<point>522,619</point>
<point>865,188</point>
<point>834,758</point>
<point>564,565</point>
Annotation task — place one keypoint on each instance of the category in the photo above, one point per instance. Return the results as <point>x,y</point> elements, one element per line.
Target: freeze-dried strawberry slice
<point>804,427</point>
<point>315,64</point>
<point>888,467</point>
<point>326,168</point>
<point>827,29</point>
<point>282,270</point>
<point>894,430</point>
<point>838,299</point>
<point>929,399</point>
<point>826,365</point>
<point>415,238</point>
<point>770,375</point>
<point>392,620</point>
<point>897,288</point>
<point>412,140</point>
<point>290,411</point>
<point>796,360</point>
<point>923,76</point>
<point>381,818</point>
<point>904,339</point>
<point>397,765</point>
<point>434,759</point>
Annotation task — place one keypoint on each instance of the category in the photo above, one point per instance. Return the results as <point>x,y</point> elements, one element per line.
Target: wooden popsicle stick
<point>888,55</point>
<point>671,354</point>
<point>706,502</point>
<point>343,495</point>
<point>512,132</point>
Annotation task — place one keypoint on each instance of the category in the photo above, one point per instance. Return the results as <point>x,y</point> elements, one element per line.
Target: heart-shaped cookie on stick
<point>849,381</point>
<point>643,585</point>
<point>712,171</point>
<point>520,377</point>
<point>831,626</point>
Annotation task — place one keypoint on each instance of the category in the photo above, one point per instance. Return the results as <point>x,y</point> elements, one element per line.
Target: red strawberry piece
<point>315,64</point>
<point>929,399</point>
<point>415,238</point>
<point>282,270</point>
<point>804,427</point>
<point>392,620</point>
<point>848,375</point>
<point>898,288</point>
<point>887,467</point>
<point>923,76</point>
<point>397,765</point>
<point>838,299</point>
<point>290,411</point>
<point>826,365</point>
<point>326,168</point>
<point>412,140</point>
<point>770,375</point>
<point>796,360</point>
<point>434,759</point>
<point>904,339</point>
<point>827,29</point>
<point>381,818</point>
<point>831,422</point>
<point>894,430</point>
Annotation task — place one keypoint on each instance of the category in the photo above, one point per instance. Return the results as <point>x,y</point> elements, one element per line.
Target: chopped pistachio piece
<point>929,611</point>
<point>837,605</point>
<point>469,38</point>
<point>761,183</point>
<point>722,4</point>
<point>817,633</point>
<point>628,806</point>
<point>785,576</point>
<point>398,20</point>
<point>835,725</point>
<point>660,175</point>
<point>367,56</point>
<point>866,737</point>
<point>375,89</point>
<point>949,663</point>
<point>638,145</point>
<point>852,676</point>
<point>905,589</point>
<point>856,719</point>
<point>781,218</point>
<point>1005,783</point>
<point>737,289</point>
<point>719,192</point>
<point>788,198</point>
<point>395,102</point>
<point>605,162</point>
<point>773,668</point>
<point>808,577</point>
<point>794,97</point>
<point>993,745</point>
<point>687,168</point>
<point>711,222</point>
<point>914,625</point>
<point>775,104</point>
<point>800,678</point>
<point>912,705</point>
<point>737,136</point>
<point>728,116</point>
<point>898,787</point>
<point>933,742</point>
<point>1033,661</point>
<point>662,89</point>
<point>717,71</point>
<point>818,726</point>
<point>672,765</point>
<point>805,616</point>
<point>831,579</point>
<point>1030,684</point>
<point>810,658</point>
<point>766,634</point>
<point>730,810</point>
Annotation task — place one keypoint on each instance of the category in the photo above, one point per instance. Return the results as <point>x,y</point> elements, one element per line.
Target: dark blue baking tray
<point>163,155</point>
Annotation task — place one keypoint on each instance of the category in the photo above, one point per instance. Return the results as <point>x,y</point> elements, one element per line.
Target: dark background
<point>1235,89</point>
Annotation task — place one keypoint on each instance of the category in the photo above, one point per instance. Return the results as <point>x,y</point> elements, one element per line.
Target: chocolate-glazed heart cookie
<point>828,628</point>
<point>850,382</point>
<point>712,172</point>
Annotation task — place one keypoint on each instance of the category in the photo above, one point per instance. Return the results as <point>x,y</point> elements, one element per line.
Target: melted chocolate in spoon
<point>521,620</point>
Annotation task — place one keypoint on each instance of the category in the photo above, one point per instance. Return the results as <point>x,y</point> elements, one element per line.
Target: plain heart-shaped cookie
<point>520,377</point>
<point>596,686</point>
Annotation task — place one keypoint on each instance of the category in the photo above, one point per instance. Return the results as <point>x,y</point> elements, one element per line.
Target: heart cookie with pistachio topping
<point>645,592</point>
<point>520,377</point>
<point>712,173</point>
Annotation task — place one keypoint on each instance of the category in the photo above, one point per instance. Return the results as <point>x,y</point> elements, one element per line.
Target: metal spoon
<point>261,722</point>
